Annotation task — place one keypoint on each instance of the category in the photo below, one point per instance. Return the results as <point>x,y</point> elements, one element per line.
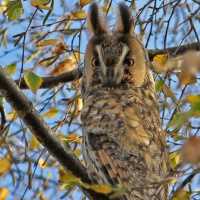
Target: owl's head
<point>114,58</point>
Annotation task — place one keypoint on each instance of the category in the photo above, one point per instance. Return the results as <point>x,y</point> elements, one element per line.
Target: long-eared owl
<point>123,141</point>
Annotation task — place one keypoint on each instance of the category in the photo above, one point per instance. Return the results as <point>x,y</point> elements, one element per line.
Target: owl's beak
<point>110,79</point>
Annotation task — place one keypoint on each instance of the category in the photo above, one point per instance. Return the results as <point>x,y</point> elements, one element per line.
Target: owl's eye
<point>95,62</point>
<point>129,61</point>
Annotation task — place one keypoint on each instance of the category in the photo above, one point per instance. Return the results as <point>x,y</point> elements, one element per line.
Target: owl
<point>123,141</point>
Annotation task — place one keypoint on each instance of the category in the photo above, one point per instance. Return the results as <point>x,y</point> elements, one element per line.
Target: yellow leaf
<point>41,4</point>
<point>34,143</point>
<point>68,178</point>
<point>80,14</point>
<point>160,58</point>
<point>161,65</point>
<point>12,115</point>
<point>104,189</point>
<point>173,181</point>
<point>77,152</point>
<point>5,165</point>
<point>4,193</point>
<point>85,2</point>
<point>41,163</point>
<point>67,65</point>
<point>11,69</point>
<point>33,81</point>
<point>3,6</point>
<point>51,113</point>
<point>193,99</point>
<point>186,78</point>
<point>105,8</point>
<point>48,42</point>
<point>64,66</point>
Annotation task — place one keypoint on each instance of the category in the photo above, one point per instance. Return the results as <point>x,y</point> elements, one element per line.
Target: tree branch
<point>179,50</point>
<point>53,81</point>
<point>57,148</point>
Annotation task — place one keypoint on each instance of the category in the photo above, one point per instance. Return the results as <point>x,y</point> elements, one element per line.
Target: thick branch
<point>57,148</point>
<point>53,81</point>
<point>178,50</point>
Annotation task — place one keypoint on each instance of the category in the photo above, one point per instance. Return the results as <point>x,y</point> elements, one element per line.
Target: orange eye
<point>129,61</point>
<point>95,62</point>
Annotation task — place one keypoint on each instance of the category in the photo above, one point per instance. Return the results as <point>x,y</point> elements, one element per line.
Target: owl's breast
<point>103,113</point>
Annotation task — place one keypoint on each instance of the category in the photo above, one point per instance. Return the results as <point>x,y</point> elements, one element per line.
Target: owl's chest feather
<point>120,112</point>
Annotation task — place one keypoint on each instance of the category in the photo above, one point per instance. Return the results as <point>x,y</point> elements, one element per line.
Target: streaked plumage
<point>123,141</point>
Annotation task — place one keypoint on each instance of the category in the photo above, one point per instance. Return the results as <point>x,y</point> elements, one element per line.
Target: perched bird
<point>123,141</point>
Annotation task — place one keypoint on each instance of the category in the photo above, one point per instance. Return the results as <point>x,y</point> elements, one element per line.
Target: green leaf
<point>33,81</point>
<point>14,10</point>
<point>179,120</point>
<point>11,69</point>
<point>159,85</point>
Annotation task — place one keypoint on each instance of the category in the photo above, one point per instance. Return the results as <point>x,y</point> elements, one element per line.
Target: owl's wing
<point>107,159</point>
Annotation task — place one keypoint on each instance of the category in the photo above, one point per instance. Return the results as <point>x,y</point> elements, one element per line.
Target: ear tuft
<point>125,21</point>
<point>95,20</point>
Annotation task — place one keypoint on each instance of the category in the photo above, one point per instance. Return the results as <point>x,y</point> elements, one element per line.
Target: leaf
<point>85,2</point>
<point>193,99</point>
<point>34,143</point>
<point>48,42</point>
<point>195,105</point>
<point>71,138</point>
<point>186,78</point>
<point>13,115</point>
<point>103,189</point>
<point>77,152</point>
<point>42,164</point>
<point>161,65</point>
<point>41,4</point>
<point>67,65</point>
<point>179,120</point>
<point>49,12</point>
<point>80,14</point>
<point>179,137</point>
<point>191,150</point>
<point>69,178</point>
<point>11,69</point>
<point>51,113</point>
<point>4,193</point>
<point>33,81</point>
<point>5,165</point>
<point>14,10</point>
<point>33,55</point>
<point>160,58</point>
<point>175,158</point>
<point>60,48</point>
<point>66,186</point>
<point>159,85</point>
<point>3,6</point>
<point>64,66</point>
